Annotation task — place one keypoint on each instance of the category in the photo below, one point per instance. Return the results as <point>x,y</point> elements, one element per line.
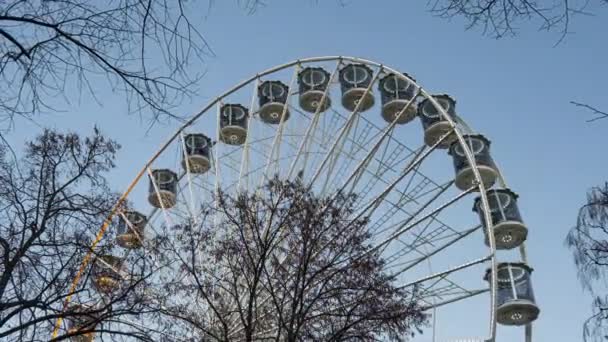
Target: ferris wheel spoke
<point>192,202</point>
<point>418,159</point>
<point>434,236</point>
<point>335,156</point>
<point>345,129</point>
<point>244,170</point>
<point>404,227</point>
<point>445,273</point>
<point>276,143</point>
<point>468,294</point>
<point>409,216</point>
<point>440,290</point>
<point>306,141</point>
<point>394,260</point>
<point>384,162</point>
<point>426,256</point>
<point>412,215</point>
<point>217,167</point>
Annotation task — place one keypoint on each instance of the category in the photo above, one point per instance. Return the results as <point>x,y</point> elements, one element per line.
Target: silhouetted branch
<point>600,114</point>
<point>50,50</point>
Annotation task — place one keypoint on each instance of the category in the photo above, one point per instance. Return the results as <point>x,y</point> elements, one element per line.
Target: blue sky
<point>514,90</point>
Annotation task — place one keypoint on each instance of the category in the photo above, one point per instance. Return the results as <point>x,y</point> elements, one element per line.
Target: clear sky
<point>514,90</point>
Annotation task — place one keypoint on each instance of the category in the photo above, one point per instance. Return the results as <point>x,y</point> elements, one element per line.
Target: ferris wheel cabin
<point>480,147</point>
<point>515,296</point>
<point>434,124</point>
<point>162,191</point>
<point>197,153</point>
<point>106,273</point>
<point>82,320</point>
<point>272,97</point>
<point>396,93</point>
<point>313,83</point>
<point>233,124</point>
<point>131,230</point>
<point>507,225</point>
<point>355,80</point>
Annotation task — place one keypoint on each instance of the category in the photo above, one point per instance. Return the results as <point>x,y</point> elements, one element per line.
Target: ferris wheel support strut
<point>365,161</point>
<point>344,129</point>
<point>313,124</point>
<point>446,245</point>
<point>244,169</point>
<point>279,134</point>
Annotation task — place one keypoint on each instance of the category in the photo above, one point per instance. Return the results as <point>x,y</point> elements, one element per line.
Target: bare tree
<point>499,18</point>
<point>279,264</point>
<point>588,240</point>
<point>53,200</point>
<point>286,264</point>
<point>50,50</point>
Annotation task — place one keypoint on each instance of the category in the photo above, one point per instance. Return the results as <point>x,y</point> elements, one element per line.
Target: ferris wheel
<point>339,124</point>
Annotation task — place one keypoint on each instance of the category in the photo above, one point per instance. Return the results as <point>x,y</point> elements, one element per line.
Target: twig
<point>601,114</point>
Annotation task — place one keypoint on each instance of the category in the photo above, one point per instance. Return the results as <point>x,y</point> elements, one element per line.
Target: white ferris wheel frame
<point>456,123</point>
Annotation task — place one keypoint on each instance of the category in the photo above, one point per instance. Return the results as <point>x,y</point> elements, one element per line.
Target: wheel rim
<point>265,140</point>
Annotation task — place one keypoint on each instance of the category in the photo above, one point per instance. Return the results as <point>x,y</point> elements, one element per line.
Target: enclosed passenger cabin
<point>507,225</point>
<point>81,321</point>
<point>434,123</point>
<point>396,93</point>
<point>480,148</point>
<point>355,79</point>
<point>197,153</point>
<point>313,83</point>
<point>162,192</point>
<point>272,96</point>
<point>515,303</point>
<point>131,225</point>
<point>107,275</point>
<point>233,124</point>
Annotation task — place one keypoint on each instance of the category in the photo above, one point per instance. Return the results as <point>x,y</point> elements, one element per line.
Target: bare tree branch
<point>51,48</point>
<point>600,114</point>
<point>588,241</point>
